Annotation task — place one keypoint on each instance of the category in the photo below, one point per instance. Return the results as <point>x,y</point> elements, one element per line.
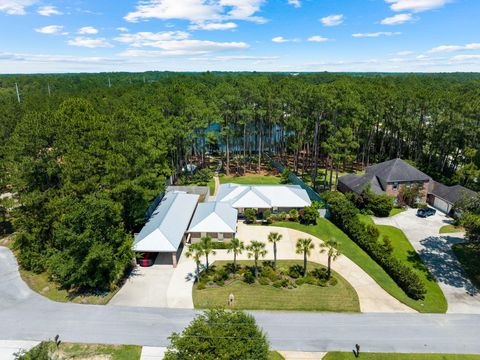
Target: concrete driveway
<point>436,251</point>
<point>147,286</point>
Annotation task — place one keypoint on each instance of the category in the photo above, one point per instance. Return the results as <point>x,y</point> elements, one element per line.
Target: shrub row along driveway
<point>436,252</point>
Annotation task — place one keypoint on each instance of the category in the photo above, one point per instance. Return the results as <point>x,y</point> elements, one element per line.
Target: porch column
<point>174,259</point>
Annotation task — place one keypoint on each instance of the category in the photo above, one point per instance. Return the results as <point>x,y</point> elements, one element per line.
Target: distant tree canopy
<point>86,160</point>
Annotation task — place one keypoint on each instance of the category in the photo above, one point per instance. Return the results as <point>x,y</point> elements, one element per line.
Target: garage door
<point>441,205</point>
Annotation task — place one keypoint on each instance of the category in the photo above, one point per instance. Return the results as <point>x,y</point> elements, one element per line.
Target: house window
<point>227,235</point>
<point>408,184</point>
<point>395,186</point>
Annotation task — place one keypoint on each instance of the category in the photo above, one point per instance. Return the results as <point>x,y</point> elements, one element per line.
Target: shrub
<point>333,281</point>
<point>387,245</point>
<point>277,284</point>
<point>266,214</point>
<point>269,273</point>
<point>344,215</point>
<point>285,176</point>
<point>201,285</point>
<point>380,205</point>
<point>282,216</point>
<point>264,281</point>
<point>293,215</point>
<point>319,273</point>
<point>250,215</point>
<point>295,271</point>
<point>248,277</point>
<point>39,352</point>
<point>219,245</point>
<point>309,215</point>
<point>220,276</point>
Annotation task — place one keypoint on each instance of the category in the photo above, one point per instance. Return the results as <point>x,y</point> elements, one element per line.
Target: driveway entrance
<point>436,252</point>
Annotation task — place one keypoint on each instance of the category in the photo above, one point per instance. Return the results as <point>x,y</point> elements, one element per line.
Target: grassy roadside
<point>398,356</point>
<point>339,298</point>
<point>326,230</point>
<point>396,211</point>
<point>41,284</point>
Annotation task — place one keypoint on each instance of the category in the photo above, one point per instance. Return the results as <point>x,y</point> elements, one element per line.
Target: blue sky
<point>246,35</point>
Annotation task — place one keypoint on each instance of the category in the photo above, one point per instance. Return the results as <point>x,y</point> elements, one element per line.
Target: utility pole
<point>18,93</point>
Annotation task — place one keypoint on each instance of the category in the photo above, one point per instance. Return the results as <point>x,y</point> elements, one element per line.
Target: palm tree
<point>195,251</point>
<point>256,249</point>
<point>330,247</point>
<point>274,237</point>
<point>207,247</point>
<point>236,247</point>
<point>305,246</point>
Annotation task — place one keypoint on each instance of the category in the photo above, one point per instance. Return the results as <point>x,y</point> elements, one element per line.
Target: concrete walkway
<point>153,353</point>
<point>436,252</point>
<point>372,297</point>
<point>8,348</point>
<point>297,355</point>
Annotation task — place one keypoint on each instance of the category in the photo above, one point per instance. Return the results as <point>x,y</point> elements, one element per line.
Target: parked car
<point>147,259</point>
<point>426,212</point>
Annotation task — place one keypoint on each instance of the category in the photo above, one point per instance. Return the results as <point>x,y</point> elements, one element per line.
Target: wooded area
<point>84,160</point>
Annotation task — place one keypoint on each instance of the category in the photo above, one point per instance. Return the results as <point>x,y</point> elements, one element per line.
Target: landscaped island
<point>280,288</point>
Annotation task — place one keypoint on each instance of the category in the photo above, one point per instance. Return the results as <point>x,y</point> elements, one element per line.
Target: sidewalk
<point>9,347</point>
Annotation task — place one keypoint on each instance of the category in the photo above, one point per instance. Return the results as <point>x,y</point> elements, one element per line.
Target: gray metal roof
<point>165,229</point>
<point>451,194</point>
<point>396,170</point>
<point>214,217</point>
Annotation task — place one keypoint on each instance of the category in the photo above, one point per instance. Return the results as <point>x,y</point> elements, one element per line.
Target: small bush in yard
<point>250,215</point>
<point>293,215</point>
<point>264,281</point>
<point>309,215</point>
<point>201,285</point>
<point>248,277</point>
<point>295,271</point>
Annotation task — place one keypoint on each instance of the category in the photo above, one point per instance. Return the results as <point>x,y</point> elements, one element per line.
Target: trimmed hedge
<point>344,215</point>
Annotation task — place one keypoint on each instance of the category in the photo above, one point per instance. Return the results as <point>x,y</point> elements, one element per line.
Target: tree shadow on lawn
<point>438,255</point>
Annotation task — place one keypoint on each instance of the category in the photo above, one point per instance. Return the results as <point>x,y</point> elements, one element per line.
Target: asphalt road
<point>25,315</point>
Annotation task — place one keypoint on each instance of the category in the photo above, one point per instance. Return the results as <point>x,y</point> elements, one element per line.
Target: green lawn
<point>469,256</point>
<point>326,230</point>
<point>97,351</point>
<point>211,185</point>
<point>251,180</point>
<point>447,229</point>
<point>398,356</point>
<point>42,285</point>
<point>396,211</point>
<point>339,298</point>
<point>275,356</point>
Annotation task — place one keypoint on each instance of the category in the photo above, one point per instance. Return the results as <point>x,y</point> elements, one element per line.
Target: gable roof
<point>165,229</point>
<point>451,194</point>
<point>358,183</point>
<point>396,170</point>
<point>263,196</point>
<point>214,217</point>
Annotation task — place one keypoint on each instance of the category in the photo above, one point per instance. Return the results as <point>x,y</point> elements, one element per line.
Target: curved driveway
<point>436,252</point>
<point>25,315</point>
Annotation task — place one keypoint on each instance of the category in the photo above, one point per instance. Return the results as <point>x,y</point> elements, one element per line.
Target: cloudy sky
<point>262,35</point>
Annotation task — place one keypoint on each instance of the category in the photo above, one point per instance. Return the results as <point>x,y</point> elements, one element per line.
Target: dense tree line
<point>84,159</point>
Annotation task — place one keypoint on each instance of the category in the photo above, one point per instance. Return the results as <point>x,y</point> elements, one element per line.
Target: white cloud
<point>295,3</point>
<point>197,11</point>
<point>236,58</point>
<point>213,26</point>
<point>122,29</point>
<point>405,53</point>
<point>172,43</point>
<point>50,30</point>
<point>87,30</point>
<point>461,58</point>
<point>376,34</point>
<point>397,19</point>
<point>82,41</point>
<point>280,39</point>
<point>332,20</point>
<point>416,5</point>
<point>318,38</point>
<point>452,48</point>
<point>49,11</point>
<point>15,7</point>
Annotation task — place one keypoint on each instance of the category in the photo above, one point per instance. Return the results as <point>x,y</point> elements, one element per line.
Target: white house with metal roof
<point>213,219</point>
<point>261,197</point>
<point>165,230</point>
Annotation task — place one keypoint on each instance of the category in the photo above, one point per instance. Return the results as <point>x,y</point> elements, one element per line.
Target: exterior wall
<point>391,191</point>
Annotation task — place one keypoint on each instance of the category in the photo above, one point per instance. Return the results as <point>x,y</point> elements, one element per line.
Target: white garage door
<point>441,205</point>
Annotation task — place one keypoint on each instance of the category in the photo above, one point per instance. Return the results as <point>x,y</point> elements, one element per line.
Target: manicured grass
<point>211,185</point>
<point>97,351</point>
<point>326,230</point>
<point>403,250</point>
<point>397,356</point>
<point>469,256</point>
<point>447,229</point>
<point>396,211</point>
<point>275,356</point>
<point>339,298</point>
<point>42,285</point>
<point>251,180</point>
